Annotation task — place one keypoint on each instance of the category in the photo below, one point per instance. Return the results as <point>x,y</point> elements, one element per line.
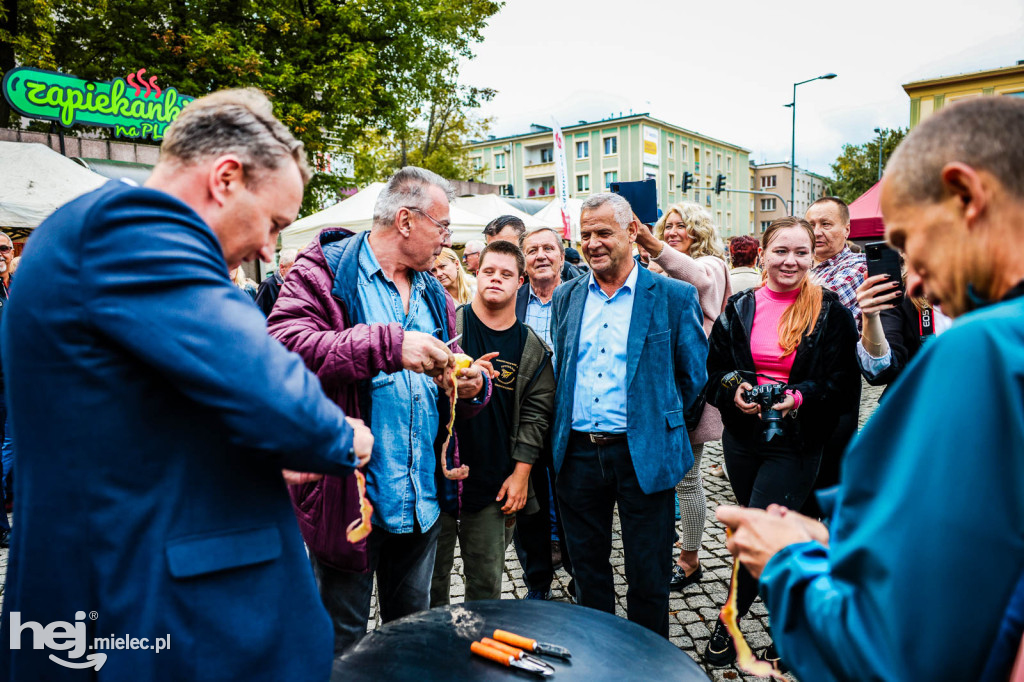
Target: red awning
<point>866,215</point>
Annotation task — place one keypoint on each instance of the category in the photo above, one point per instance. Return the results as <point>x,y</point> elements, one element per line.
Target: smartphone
<point>642,196</point>
<point>884,260</point>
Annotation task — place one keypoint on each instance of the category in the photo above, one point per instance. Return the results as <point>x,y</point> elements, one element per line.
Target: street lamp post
<point>880,140</point>
<point>792,150</point>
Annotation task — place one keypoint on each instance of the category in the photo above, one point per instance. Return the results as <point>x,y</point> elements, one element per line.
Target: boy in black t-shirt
<point>500,444</point>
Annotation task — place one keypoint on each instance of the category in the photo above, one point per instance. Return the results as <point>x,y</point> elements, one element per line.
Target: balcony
<point>539,170</point>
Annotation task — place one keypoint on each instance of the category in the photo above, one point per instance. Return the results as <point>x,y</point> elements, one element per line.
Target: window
<point>582,183</point>
<point>767,181</point>
<point>583,149</point>
<point>499,161</point>
<point>611,145</point>
<point>728,219</point>
<point>478,162</point>
<point>671,148</point>
<point>768,204</point>
<point>609,178</point>
<point>696,195</point>
<point>671,182</point>
<point>547,155</point>
<point>684,153</point>
<point>718,162</point>
<point>728,164</point>
<point>765,224</point>
<point>718,219</point>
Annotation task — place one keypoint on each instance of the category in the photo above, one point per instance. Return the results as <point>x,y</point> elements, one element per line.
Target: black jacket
<point>825,369</point>
<point>903,333</point>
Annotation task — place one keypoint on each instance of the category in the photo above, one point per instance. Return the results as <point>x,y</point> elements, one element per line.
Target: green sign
<point>132,106</point>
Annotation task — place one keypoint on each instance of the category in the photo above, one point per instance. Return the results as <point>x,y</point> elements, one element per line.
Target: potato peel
<point>746,661</point>
<point>360,528</point>
<point>462,361</point>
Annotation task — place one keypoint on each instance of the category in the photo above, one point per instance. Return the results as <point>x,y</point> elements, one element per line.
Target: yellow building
<point>928,96</point>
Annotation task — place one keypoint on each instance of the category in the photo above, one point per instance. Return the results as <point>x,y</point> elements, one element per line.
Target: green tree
<point>434,139</point>
<point>856,169</point>
<point>333,69</point>
<point>26,39</point>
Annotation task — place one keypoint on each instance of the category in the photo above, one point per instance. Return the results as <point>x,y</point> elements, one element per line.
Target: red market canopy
<point>866,215</point>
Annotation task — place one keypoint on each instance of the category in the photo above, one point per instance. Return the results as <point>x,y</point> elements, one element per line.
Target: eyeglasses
<point>445,230</point>
<point>4,248</point>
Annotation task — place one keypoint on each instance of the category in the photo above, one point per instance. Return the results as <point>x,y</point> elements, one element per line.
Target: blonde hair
<point>801,316</point>
<point>461,278</point>
<point>238,277</point>
<point>699,226</point>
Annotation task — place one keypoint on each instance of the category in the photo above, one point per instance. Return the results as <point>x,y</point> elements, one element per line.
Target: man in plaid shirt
<point>836,267</point>
<point>841,270</point>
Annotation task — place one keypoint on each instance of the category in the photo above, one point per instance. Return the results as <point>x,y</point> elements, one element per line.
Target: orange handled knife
<point>532,645</point>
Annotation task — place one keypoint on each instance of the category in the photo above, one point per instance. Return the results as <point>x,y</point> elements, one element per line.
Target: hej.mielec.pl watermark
<point>71,638</point>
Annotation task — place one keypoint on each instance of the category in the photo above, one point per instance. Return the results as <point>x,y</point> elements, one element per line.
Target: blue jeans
<point>404,564</point>
<point>592,480</point>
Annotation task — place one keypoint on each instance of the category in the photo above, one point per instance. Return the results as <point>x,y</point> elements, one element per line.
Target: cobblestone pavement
<point>692,610</point>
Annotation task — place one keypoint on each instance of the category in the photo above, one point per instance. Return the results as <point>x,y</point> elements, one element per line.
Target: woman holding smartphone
<point>788,331</point>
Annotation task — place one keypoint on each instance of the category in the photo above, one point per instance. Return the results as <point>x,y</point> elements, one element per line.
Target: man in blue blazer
<point>631,358</point>
<point>154,416</point>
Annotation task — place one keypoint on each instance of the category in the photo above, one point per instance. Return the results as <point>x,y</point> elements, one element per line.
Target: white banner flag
<point>562,179</point>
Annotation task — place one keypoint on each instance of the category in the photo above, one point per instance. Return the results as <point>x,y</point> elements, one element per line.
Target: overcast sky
<point>588,59</point>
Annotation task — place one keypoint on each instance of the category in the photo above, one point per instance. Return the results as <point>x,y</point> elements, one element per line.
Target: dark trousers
<point>762,474</point>
<point>592,480</point>
<point>6,476</point>
<point>832,460</point>
<point>533,535</point>
<point>403,563</point>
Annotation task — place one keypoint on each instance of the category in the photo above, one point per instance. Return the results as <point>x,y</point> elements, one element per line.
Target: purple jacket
<point>310,319</point>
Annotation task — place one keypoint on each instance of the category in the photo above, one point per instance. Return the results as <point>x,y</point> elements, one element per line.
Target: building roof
<point>608,121</point>
<point>785,164</point>
<point>969,76</point>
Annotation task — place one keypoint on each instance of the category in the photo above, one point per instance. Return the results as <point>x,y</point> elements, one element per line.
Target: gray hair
<point>983,133</point>
<point>239,122</point>
<point>407,188</point>
<point>9,240</point>
<point>623,211</point>
<point>287,257</point>
<point>475,244</point>
<point>558,238</point>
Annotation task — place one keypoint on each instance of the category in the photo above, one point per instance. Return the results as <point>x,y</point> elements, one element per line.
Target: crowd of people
<point>220,515</point>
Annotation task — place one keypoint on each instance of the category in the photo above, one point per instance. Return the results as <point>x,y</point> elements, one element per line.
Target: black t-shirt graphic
<point>484,439</point>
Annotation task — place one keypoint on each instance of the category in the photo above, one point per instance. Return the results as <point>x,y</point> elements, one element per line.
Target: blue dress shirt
<point>538,316</point>
<point>599,403</point>
<point>404,418</point>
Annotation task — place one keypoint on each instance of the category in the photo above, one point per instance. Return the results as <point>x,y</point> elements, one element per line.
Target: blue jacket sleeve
<point>157,285</point>
<point>927,538</point>
<point>692,349</point>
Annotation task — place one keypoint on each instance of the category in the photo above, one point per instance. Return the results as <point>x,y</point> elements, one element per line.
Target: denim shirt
<point>599,402</point>
<point>404,419</point>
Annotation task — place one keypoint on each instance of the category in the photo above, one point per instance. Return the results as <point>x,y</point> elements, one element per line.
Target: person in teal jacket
<point>918,575</point>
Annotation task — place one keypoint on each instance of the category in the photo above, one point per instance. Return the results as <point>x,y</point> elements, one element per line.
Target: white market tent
<point>551,216</point>
<point>35,181</point>
<point>356,214</point>
<point>490,206</point>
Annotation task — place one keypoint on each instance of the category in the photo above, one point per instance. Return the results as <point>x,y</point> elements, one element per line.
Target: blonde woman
<point>686,245</point>
<point>243,282</point>
<point>448,271</point>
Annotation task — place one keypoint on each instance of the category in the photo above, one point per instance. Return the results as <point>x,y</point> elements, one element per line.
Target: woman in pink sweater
<point>686,245</point>
<point>792,332</point>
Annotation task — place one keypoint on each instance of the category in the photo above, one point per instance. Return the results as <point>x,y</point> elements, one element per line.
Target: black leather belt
<point>599,438</point>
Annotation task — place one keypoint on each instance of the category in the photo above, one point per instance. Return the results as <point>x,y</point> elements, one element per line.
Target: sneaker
<point>543,595</point>
<point>717,470</point>
<point>720,650</point>
<point>770,655</point>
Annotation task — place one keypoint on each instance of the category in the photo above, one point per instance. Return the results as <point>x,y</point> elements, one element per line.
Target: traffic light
<point>719,183</point>
<point>687,181</point>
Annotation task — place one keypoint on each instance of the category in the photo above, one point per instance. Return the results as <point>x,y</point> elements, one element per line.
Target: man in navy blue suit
<point>154,417</point>
<point>631,358</point>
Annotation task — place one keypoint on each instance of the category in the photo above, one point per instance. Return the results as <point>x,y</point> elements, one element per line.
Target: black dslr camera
<point>767,395</point>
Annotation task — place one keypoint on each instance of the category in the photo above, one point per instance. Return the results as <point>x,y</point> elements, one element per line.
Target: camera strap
<point>925,323</point>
